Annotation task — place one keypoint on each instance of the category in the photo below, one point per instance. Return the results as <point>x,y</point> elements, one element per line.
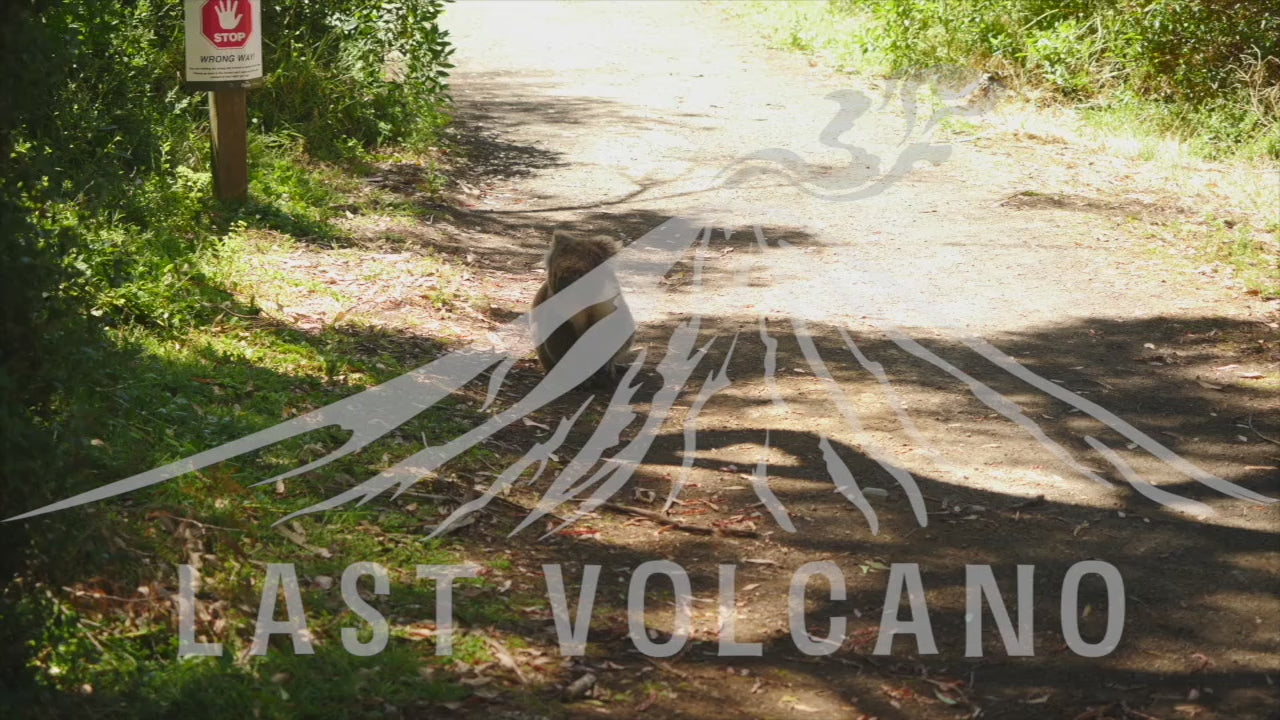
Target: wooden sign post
<point>224,56</point>
<point>229,127</point>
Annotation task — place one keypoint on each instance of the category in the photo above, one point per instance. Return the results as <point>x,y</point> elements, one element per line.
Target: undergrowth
<point>1206,71</point>
<point>127,345</point>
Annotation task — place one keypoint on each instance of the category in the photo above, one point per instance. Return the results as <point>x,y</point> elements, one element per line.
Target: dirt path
<point>615,117</point>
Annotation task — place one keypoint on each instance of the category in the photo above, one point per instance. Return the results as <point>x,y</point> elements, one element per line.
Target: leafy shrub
<point>104,187</point>
<point>106,150</point>
<point>1215,64</point>
<point>354,70</point>
<point>104,209</point>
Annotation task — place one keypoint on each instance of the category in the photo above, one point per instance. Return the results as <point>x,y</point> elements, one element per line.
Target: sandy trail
<point>636,112</point>
<point>614,117</point>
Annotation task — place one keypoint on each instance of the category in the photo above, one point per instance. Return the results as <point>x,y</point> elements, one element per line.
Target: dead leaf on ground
<point>647,702</point>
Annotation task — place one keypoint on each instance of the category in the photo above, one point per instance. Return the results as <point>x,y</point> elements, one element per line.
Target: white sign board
<point>224,42</point>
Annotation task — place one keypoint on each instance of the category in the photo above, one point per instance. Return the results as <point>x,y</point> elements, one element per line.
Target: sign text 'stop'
<point>227,23</point>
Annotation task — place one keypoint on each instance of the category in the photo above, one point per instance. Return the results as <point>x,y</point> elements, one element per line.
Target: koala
<point>569,259</point>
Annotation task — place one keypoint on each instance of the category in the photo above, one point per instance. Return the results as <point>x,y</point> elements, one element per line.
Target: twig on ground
<point>1249,422</point>
<point>667,668</point>
<point>677,525</point>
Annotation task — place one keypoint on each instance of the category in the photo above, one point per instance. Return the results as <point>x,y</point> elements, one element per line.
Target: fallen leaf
<point>505,659</point>
<point>647,702</point>
<point>421,633</point>
<point>872,565</point>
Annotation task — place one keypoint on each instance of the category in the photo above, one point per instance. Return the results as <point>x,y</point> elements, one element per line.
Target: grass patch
<point>149,323</point>
<point>1206,74</point>
<point>1240,254</point>
<point>105,643</point>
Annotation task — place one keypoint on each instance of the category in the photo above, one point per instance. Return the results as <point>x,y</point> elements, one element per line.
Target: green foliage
<point>354,71</point>
<point>107,225</point>
<point>1206,69</point>
<point>136,675</point>
<point>105,186</point>
<point>107,173</point>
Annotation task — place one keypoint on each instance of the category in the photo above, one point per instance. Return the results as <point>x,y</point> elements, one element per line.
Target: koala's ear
<point>559,236</point>
<point>612,243</point>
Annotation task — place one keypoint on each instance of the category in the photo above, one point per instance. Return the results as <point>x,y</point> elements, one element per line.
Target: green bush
<point>332,66</point>
<point>1214,65</point>
<point>106,152</point>
<point>104,183</point>
<point>104,197</point>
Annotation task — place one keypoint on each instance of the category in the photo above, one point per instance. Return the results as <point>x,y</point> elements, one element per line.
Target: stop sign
<point>227,23</point>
